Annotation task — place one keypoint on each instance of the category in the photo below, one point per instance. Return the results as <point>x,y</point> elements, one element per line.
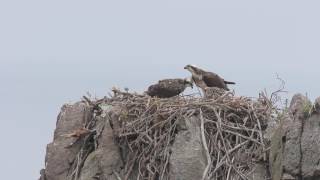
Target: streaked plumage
<point>168,88</point>
<point>213,92</point>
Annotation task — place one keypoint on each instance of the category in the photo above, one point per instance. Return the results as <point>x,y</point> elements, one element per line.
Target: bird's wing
<point>213,80</point>
<point>229,82</point>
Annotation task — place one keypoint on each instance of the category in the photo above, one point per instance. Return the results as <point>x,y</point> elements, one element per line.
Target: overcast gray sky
<point>53,52</point>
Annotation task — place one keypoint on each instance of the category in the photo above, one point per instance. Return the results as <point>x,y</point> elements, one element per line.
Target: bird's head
<point>191,68</point>
<point>188,82</point>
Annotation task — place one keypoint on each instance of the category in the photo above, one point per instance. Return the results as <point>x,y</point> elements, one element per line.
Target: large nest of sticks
<point>232,130</point>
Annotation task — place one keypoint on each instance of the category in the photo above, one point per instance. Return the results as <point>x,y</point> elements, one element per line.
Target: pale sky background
<point>53,52</point>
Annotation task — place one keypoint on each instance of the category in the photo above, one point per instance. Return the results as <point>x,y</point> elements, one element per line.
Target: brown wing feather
<point>213,80</point>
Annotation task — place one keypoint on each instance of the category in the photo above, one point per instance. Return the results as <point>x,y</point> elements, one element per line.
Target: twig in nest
<point>205,146</point>
<point>116,174</point>
<point>78,133</point>
<point>88,100</point>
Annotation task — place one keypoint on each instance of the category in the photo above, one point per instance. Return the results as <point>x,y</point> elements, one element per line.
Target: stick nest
<point>232,131</point>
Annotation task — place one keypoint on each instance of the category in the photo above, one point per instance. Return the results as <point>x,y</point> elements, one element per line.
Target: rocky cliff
<point>132,136</point>
<point>295,146</point>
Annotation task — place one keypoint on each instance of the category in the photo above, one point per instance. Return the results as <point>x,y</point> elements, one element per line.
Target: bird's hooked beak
<point>186,67</point>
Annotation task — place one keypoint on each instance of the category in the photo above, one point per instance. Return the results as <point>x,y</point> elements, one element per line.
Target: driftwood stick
<point>88,100</point>
<point>205,146</point>
<point>116,174</point>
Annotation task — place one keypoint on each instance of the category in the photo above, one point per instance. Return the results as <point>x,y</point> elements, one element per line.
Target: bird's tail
<point>229,82</point>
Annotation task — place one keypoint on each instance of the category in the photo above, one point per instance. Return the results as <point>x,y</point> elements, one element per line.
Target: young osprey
<point>204,79</point>
<point>168,88</point>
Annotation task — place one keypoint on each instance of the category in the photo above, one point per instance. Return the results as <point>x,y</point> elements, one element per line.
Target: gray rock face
<point>316,106</point>
<point>294,154</point>
<point>292,149</point>
<point>296,146</point>
<point>276,154</point>
<point>59,157</point>
<point>104,162</point>
<point>310,146</point>
<point>188,161</point>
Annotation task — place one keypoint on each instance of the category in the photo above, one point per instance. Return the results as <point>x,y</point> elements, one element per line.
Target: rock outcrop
<point>294,151</point>
<point>295,148</point>
<point>60,154</point>
<point>188,160</point>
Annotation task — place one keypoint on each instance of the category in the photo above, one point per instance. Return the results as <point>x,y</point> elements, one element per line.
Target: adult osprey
<point>204,79</point>
<point>168,88</point>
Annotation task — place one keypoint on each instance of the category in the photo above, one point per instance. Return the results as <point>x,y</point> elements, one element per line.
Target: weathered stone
<point>110,159</point>
<point>59,156</point>
<point>299,106</point>
<point>285,152</point>
<point>91,168</point>
<point>42,174</point>
<point>276,154</point>
<point>310,146</point>
<point>316,106</point>
<point>70,118</point>
<point>187,161</point>
<point>292,149</point>
<point>106,160</point>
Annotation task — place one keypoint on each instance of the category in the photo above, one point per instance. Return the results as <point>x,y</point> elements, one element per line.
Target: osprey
<point>168,87</point>
<point>204,79</point>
